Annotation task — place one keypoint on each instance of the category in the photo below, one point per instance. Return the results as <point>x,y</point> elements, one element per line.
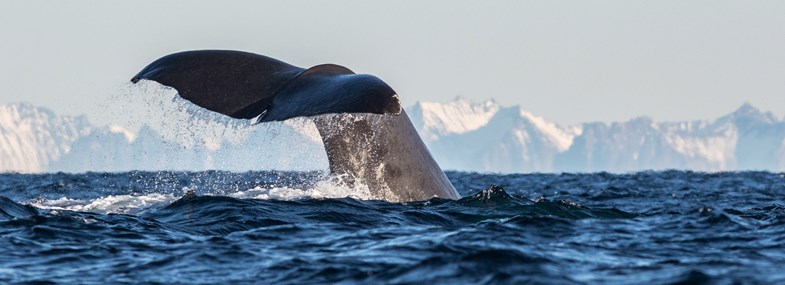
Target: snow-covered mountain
<point>31,138</point>
<point>461,135</point>
<point>34,139</point>
<point>488,137</point>
<point>509,139</point>
<point>747,139</point>
<point>433,120</point>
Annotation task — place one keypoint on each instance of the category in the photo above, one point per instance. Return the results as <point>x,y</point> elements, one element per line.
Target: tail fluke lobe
<point>246,85</point>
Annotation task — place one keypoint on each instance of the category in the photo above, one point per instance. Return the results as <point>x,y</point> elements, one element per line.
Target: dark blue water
<point>208,227</point>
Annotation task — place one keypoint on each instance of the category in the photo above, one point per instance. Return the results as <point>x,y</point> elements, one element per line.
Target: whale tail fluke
<point>367,136</point>
<point>246,85</point>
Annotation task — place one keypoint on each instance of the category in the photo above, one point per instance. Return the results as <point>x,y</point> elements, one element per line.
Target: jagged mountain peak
<point>32,137</point>
<point>515,140</point>
<point>750,113</point>
<point>23,111</point>
<point>19,113</point>
<point>747,108</point>
<point>434,119</point>
<point>461,134</point>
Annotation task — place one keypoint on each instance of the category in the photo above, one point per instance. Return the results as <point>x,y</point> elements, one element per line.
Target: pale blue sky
<point>569,61</point>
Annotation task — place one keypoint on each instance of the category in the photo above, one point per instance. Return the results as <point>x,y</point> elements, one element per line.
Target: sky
<point>568,61</point>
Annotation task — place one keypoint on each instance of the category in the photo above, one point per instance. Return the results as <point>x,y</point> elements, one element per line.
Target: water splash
<point>331,188</point>
<point>115,204</point>
<point>162,131</point>
<point>327,187</point>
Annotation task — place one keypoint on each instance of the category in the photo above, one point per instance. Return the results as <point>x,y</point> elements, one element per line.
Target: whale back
<point>246,85</point>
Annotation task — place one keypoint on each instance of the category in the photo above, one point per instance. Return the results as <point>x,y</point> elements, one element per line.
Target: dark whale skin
<point>245,85</point>
<point>368,138</point>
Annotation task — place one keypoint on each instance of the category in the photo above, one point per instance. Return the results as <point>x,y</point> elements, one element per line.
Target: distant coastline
<point>462,135</point>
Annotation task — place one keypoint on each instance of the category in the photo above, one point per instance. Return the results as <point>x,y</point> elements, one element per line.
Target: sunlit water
<point>279,228</point>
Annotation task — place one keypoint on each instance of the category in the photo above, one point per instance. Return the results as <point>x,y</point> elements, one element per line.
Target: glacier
<point>461,135</point>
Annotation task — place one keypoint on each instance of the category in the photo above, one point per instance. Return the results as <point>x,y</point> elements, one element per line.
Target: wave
<point>179,227</point>
<point>265,207</point>
<point>12,210</point>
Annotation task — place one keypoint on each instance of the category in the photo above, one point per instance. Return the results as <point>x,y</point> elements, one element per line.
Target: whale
<point>368,137</point>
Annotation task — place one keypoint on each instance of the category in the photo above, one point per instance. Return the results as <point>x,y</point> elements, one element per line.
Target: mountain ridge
<point>461,135</point>
<point>745,139</point>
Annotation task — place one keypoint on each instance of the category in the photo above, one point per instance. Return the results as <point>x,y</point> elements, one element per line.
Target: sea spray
<point>153,128</point>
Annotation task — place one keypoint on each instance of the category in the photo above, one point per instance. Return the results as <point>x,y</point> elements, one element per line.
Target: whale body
<point>368,138</point>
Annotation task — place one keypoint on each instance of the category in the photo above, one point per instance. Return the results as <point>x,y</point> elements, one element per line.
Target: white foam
<point>326,189</point>
<point>330,188</point>
<point>116,204</point>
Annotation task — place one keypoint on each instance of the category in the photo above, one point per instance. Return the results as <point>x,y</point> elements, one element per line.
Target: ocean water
<point>669,227</point>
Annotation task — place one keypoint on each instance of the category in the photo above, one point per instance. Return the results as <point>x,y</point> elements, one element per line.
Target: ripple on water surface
<point>274,227</point>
